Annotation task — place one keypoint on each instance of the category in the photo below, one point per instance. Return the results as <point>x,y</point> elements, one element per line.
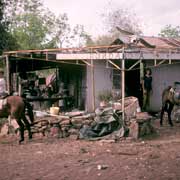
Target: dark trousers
<point>146,99</point>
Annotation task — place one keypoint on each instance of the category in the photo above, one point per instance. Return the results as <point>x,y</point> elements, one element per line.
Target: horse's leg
<point>162,113</point>
<point>170,108</point>
<point>21,128</point>
<point>161,117</point>
<point>27,126</point>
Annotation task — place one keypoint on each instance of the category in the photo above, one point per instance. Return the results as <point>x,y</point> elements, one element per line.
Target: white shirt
<point>2,85</point>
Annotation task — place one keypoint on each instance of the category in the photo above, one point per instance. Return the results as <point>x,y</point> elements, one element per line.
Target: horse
<point>15,108</point>
<point>170,97</point>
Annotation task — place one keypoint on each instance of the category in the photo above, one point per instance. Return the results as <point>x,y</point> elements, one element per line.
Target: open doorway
<point>73,77</point>
<point>133,83</point>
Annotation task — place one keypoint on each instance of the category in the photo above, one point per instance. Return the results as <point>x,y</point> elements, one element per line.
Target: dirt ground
<point>155,158</point>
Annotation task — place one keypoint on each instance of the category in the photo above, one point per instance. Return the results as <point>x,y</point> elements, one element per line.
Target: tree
<point>79,36</point>
<point>122,18</point>
<point>104,40</point>
<point>61,31</point>
<point>7,42</point>
<point>170,31</point>
<point>29,23</point>
<point>35,27</point>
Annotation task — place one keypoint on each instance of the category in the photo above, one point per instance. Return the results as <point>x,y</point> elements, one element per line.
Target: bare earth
<point>157,158</point>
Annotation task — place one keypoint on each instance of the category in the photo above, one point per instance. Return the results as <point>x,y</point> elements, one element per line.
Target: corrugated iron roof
<point>161,42</point>
<point>150,42</point>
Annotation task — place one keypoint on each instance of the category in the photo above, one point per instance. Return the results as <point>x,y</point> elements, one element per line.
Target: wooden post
<point>141,70</point>
<point>8,75</point>
<point>123,85</point>
<point>93,86</point>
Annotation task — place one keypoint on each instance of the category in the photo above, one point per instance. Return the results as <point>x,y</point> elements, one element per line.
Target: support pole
<point>8,75</point>
<point>123,85</point>
<point>93,85</point>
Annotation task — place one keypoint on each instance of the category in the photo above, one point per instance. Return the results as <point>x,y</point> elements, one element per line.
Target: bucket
<point>54,110</point>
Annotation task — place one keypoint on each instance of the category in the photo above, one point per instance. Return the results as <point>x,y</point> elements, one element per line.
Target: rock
<point>65,133</point>
<point>55,130</point>
<point>75,113</point>
<point>77,126</point>
<point>83,150</point>
<point>141,126</point>
<point>134,129</point>
<point>87,122</point>
<point>44,123</point>
<point>107,141</point>
<point>74,136</point>
<point>64,122</point>
<point>77,120</point>
<point>73,131</point>
<point>4,130</point>
<point>102,167</point>
<point>9,129</point>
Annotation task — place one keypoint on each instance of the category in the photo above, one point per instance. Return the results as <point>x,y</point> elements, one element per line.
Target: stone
<point>134,129</point>
<point>102,167</point>
<point>65,122</point>
<point>141,126</point>
<point>4,130</point>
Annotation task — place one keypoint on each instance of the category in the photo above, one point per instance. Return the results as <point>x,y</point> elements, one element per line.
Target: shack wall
<point>163,76</point>
<point>102,81</point>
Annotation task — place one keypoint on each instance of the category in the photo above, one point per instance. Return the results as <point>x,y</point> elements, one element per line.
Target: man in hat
<point>2,84</point>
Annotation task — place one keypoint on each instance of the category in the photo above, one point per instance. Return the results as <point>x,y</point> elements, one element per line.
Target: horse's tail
<point>29,108</point>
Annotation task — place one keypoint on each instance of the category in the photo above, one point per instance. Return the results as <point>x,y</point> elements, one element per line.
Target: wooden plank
<point>8,75</point>
<point>82,56</point>
<point>93,85</point>
<point>115,65</point>
<point>123,86</point>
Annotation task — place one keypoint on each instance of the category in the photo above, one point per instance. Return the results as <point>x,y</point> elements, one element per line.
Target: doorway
<point>133,85</point>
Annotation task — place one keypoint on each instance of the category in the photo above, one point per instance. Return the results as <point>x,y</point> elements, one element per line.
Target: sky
<point>153,15</point>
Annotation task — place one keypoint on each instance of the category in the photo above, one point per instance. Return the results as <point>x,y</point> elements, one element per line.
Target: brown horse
<point>170,97</point>
<point>15,107</point>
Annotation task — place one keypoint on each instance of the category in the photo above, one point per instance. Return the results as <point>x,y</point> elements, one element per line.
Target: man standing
<point>147,89</point>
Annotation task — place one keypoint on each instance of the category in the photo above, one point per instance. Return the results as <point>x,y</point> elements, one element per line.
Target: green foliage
<point>80,36</point>
<point>29,24</point>
<point>170,31</point>
<point>61,30</point>
<point>7,42</point>
<point>35,27</point>
<point>30,31</point>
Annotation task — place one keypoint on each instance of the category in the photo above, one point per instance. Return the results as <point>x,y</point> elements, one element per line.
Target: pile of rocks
<point>62,126</point>
<point>70,123</point>
<point>141,125</point>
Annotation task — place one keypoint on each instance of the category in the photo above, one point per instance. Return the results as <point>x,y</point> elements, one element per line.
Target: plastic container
<point>54,110</point>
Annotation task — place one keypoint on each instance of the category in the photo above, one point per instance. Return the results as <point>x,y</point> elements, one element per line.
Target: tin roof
<point>161,42</point>
<point>149,42</point>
